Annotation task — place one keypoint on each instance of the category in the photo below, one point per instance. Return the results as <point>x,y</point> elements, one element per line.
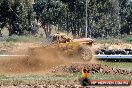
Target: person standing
<point>85,81</point>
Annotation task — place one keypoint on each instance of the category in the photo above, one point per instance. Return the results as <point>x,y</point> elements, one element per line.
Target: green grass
<point>38,79</point>
<point>102,76</point>
<point>72,78</point>
<point>14,39</point>
<point>10,41</point>
<point>110,77</point>
<point>30,38</point>
<point>23,39</point>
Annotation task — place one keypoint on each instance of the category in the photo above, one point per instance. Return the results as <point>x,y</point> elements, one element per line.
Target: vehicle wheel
<point>86,53</point>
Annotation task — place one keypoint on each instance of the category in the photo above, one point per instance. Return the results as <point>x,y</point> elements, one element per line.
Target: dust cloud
<point>38,59</point>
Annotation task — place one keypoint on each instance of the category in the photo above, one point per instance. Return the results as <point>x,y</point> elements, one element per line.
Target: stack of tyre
<point>114,52</point>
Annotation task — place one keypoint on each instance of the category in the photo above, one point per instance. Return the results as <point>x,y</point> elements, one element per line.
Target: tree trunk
<point>0,33</point>
<point>10,31</point>
<point>47,30</point>
<point>116,10</point>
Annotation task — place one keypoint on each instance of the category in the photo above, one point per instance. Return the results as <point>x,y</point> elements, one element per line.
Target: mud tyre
<point>86,53</point>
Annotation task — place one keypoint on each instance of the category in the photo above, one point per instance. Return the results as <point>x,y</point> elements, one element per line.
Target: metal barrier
<point>113,56</point>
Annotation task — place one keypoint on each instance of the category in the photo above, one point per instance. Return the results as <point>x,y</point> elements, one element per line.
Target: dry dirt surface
<point>115,46</point>
<point>16,48</point>
<point>97,68</point>
<point>41,60</point>
<point>62,86</point>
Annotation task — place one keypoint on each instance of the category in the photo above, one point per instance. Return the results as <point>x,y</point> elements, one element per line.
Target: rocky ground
<point>115,46</point>
<point>96,68</point>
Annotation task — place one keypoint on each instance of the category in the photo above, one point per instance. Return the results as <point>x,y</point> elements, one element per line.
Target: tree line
<point>105,17</point>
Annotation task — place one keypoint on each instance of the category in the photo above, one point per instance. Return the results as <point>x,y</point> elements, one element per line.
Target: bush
<point>129,40</point>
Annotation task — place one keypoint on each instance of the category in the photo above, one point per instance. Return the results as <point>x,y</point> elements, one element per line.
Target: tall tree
<point>49,12</point>
<point>14,14</point>
<point>126,16</point>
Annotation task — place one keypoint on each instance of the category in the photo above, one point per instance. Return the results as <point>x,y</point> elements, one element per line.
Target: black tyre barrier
<point>103,50</point>
<point>98,52</point>
<point>109,52</point>
<point>128,49</point>
<point>130,53</point>
<point>115,52</point>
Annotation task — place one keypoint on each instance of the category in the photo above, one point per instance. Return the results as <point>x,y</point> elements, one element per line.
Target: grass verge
<point>57,79</point>
<point>16,38</point>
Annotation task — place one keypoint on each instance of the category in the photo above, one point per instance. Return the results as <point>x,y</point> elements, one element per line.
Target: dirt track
<point>62,86</point>
<point>39,61</point>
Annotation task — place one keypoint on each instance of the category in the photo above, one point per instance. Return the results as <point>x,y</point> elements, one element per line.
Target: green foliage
<point>101,16</point>
<point>49,12</point>
<point>14,15</point>
<point>129,40</point>
<point>105,17</point>
<point>126,15</point>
